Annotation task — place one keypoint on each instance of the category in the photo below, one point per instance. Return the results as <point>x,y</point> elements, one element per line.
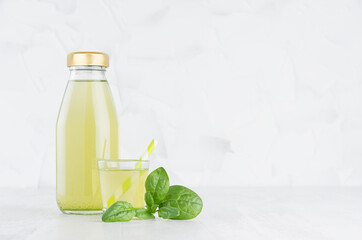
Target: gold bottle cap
<point>88,59</point>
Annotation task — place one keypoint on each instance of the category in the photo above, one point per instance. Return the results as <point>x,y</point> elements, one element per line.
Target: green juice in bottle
<point>86,131</point>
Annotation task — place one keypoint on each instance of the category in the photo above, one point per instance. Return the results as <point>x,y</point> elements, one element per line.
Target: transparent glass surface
<point>87,130</point>
<point>123,180</point>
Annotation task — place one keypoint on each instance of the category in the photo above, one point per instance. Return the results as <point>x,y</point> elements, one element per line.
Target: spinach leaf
<point>151,206</point>
<point>119,212</point>
<point>168,212</point>
<point>173,202</point>
<point>142,213</point>
<point>157,183</point>
<point>185,200</point>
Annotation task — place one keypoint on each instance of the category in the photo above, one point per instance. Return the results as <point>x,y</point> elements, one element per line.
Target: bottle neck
<point>90,73</point>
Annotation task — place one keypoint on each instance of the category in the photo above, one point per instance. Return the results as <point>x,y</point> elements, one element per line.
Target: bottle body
<point>87,131</point>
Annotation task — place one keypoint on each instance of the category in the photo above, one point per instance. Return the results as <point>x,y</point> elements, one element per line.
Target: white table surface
<point>229,213</point>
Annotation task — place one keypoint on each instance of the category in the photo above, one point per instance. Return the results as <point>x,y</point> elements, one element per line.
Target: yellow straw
<point>127,184</point>
<point>146,153</point>
<point>104,148</point>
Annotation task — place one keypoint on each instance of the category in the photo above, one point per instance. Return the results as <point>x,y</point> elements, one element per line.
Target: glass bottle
<point>86,131</point>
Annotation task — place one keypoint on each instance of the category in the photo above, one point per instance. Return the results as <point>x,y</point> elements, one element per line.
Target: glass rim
<point>123,164</point>
<point>122,160</point>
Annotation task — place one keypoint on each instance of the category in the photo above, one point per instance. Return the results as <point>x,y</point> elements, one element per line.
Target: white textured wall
<point>237,92</point>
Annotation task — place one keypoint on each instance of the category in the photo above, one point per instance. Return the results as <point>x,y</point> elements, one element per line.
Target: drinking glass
<point>123,180</point>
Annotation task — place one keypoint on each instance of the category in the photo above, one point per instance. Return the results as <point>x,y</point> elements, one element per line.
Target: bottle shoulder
<point>87,99</point>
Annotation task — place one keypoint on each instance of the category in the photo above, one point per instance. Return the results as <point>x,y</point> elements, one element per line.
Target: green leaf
<point>142,213</point>
<point>151,206</point>
<point>157,183</point>
<point>185,200</point>
<point>168,212</point>
<point>152,209</point>
<point>149,199</point>
<point>119,212</point>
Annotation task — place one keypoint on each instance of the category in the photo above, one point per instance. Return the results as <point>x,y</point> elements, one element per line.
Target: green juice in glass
<point>123,185</point>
